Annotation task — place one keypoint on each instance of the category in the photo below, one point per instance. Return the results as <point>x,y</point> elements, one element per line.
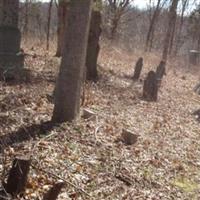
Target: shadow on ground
<point>25,134</point>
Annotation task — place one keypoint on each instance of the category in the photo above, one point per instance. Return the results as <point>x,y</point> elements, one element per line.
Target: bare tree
<point>149,39</point>
<point>49,22</point>
<point>116,9</point>
<point>170,28</point>
<point>70,78</point>
<point>179,32</point>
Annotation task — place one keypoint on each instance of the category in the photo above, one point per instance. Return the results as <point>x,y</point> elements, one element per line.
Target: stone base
<point>11,66</point>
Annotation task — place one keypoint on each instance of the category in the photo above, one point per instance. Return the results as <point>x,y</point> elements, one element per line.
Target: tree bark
<point>70,78</point>
<point>169,33</point>
<point>93,46</point>
<point>150,34</point>
<point>62,24</point>
<point>49,23</point>
<point>178,37</point>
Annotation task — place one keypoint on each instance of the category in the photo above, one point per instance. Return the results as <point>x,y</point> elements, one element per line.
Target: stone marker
<point>18,176</point>
<point>197,88</point>
<point>160,72</point>
<point>86,114</point>
<point>11,58</point>
<point>128,137</point>
<point>194,57</point>
<point>150,88</point>
<point>138,69</point>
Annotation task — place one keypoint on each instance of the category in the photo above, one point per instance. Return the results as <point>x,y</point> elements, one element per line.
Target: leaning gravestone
<point>150,88</point>
<point>138,69</point>
<point>160,72</point>
<point>11,60</point>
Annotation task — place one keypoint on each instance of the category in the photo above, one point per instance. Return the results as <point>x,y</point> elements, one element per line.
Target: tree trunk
<point>62,23</point>
<point>70,78</point>
<point>49,22</point>
<point>150,34</point>
<point>171,23</point>
<point>178,37</point>
<point>10,37</point>
<point>93,46</point>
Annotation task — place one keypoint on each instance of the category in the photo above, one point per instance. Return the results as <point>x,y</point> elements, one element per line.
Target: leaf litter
<point>87,155</point>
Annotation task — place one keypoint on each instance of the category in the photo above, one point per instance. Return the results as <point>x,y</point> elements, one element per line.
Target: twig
<point>58,177</point>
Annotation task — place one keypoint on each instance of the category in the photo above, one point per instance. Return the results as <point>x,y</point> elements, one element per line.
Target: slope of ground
<point>163,164</point>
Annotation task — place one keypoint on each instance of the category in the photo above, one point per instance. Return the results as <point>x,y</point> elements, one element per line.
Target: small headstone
<point>138,69</point>
<point>194,57</point>
<point>150,88</point>
<point>197,114</point>
<point>87,114</point>
<point>197,88</point>
<point>160,72</point>
<point>128,137</point>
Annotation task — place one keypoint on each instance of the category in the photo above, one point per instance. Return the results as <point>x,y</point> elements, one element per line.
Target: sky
<point>138,3</point>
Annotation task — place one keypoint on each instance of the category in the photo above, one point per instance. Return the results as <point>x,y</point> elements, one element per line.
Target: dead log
<point>138,69</point>
<point>150,88</point>
<point>53,193</point>
<point>18,175</point>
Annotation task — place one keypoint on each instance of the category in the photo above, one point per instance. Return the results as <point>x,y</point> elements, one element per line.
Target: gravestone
<point>160,72</point>
<point>150,88</point>
<point>197,89</point>
<point>194,57</point>
<point>138,69</point>
<point>11,59</point>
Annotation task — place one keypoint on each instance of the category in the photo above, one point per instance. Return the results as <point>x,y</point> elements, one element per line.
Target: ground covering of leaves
<point>163,164</point>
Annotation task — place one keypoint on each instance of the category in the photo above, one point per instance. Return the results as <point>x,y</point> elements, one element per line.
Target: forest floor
<point>163,164</point>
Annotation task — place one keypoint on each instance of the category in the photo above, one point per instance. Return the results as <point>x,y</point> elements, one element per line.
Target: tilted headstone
<point>11,60</point>
<point>160,72</point>
<point>150,88</point>
<point>197,88</point>
<point>138,69</point>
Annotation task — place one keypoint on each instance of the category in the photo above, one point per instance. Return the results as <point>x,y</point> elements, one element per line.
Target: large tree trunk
<point>62,23</point>
<point>10,37</point>
<point>171,24</point>
<point>70,78</point>
<point>93,46</point>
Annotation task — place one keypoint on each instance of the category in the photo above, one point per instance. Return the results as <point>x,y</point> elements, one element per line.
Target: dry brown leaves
<point>165,162</point>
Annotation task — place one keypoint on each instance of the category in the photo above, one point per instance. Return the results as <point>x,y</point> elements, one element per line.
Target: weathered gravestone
<point>160,72</point>
<point>93,46</point>
<point>197,89</point>
<point>138,69</point>
<point>150,88</point>
<point>194,57</point>
<point>11,60</point>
